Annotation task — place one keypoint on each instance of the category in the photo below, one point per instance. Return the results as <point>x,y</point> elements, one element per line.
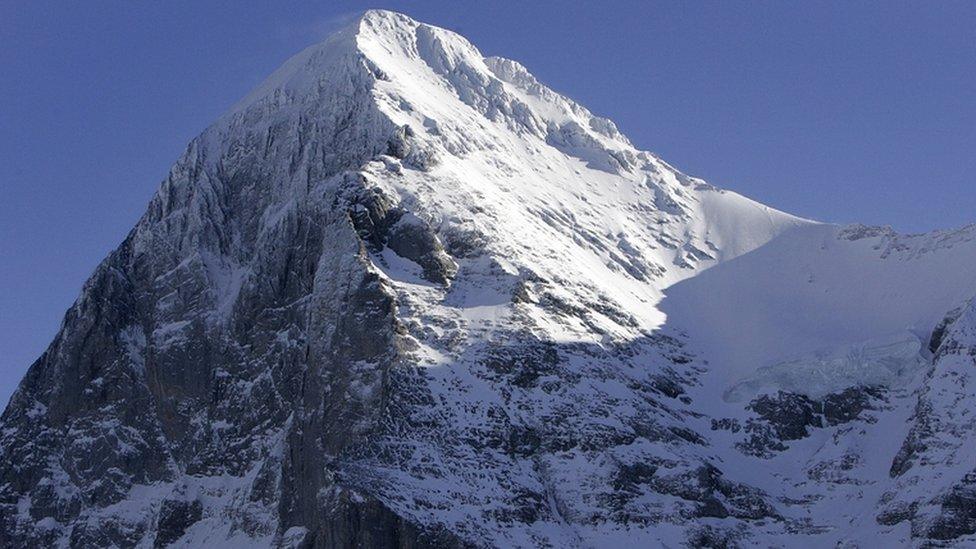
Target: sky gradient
<point>840,112</point>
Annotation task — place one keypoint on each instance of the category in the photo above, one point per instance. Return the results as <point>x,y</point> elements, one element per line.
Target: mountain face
<point>404,295</point>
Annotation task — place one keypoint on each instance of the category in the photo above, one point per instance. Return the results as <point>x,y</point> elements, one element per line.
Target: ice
<point>881,362</point>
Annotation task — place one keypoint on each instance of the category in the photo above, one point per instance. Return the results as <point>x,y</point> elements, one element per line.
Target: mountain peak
<point>404,294</point>
<point>375,33</point>
<point>387,18</point>
<point>406,65</point>
<point>399,34</point>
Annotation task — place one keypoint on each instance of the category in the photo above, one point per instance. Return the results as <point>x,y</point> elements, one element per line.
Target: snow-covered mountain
<point>404,295</point>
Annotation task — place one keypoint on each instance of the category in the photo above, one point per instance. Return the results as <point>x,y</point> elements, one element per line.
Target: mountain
<point>405,295</point>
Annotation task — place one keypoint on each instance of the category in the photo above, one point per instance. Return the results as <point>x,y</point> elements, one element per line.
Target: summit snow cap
<point>412,66</point>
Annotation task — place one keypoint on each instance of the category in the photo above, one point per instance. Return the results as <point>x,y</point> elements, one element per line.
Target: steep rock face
<point>403,295</point>
<point>218,339</point>
<point>935,468</point>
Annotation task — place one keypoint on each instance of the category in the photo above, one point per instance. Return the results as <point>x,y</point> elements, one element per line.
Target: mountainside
<point>404,295</point>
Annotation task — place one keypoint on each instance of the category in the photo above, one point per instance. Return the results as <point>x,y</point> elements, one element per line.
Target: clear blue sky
<point>844,111</point>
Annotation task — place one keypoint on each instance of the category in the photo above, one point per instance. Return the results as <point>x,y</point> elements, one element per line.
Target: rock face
<point>403,295</point>
<point>943,506</point>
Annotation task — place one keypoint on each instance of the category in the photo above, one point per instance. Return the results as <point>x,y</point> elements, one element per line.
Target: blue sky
<point>839,111</point>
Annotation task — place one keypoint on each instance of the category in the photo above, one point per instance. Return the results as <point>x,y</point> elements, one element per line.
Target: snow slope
<point>403,291</point>
<point>820,288</point>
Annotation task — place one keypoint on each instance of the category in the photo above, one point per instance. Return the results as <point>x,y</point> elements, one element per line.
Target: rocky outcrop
<point>784,417</point>
<point>352,520</point>
<point>381,223</point>
<point>175,517</point>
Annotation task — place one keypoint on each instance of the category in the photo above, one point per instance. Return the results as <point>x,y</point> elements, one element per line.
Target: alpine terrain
<point>404,295</point>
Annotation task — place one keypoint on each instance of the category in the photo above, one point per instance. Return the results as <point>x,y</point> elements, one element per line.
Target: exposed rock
<point>938,333</point>
<point>413,239</point>
<point>380,222</point>
<point>789,416</point>
<point>355,521</point>
<point>957,515</point>
<point>523,362</point>
<point>849,404</point>
<point>715,495</point>
<point>175,516</point>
